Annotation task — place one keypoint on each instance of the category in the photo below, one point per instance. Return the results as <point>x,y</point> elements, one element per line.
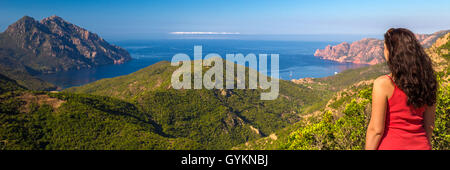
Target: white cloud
<point>204,33</point>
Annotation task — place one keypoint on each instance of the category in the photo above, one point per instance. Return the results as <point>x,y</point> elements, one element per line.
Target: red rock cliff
<point>368,50</point>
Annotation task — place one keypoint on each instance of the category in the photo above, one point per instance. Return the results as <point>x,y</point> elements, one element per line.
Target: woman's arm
<point>428,119</point>
<point>376,125</point>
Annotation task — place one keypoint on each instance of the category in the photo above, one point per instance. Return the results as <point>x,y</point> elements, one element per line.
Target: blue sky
<point>141,18</point>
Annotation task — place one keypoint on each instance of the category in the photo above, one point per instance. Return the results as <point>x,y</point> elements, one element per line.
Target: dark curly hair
<point>411,67</point>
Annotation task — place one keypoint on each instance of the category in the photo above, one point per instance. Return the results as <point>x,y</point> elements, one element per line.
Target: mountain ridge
<point>63,45</point>
<point>29,47</point>
<point>368,50</point>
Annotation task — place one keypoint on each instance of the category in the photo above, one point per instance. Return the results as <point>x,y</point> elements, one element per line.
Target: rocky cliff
<point>368,50</point>
<point>53,45</point>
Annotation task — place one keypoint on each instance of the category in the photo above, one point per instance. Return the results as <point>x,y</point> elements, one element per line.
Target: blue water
<point>296,58</point>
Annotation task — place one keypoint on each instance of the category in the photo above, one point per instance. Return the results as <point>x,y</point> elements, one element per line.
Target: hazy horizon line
<point>280,37</point>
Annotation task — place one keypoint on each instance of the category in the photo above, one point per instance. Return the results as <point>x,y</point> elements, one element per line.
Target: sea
<point>296,58</point>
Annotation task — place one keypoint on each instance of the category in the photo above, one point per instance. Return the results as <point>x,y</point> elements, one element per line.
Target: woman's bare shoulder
<point>382,81</point>
<point>384,85</point>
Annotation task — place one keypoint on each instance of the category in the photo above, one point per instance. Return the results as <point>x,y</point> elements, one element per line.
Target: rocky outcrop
<point>368,50</point>
<point>53,45</point>
<point>307,80</point>
<point>427,40</point>
<point>365,51</point>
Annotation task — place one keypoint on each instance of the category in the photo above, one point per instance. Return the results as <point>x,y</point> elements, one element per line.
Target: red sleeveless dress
<point>404,127</point>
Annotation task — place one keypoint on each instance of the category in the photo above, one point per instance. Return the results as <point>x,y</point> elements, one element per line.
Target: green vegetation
<point>128,87</point>
<point>72,121</point>
<point>441,134</point>
<point>144,106</point>
<point>346,132</point>
<point>218,119</point>
<point>43,120</point>
<point>446,48</point>
<point>352,76</point>
<point>8,84</point>
<point>342,127</point>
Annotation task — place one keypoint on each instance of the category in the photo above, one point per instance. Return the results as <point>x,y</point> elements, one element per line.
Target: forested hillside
<point>142,111</point>
<point>219,118</point>
<point>44,120</point>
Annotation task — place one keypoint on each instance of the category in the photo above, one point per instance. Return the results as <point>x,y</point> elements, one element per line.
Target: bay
<point>296,61</point>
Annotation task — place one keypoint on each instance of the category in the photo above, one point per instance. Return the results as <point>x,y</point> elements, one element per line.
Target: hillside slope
<point>220,118</point>
<point>8,84</point>
<point>15,70</point>
<point>60,121</point>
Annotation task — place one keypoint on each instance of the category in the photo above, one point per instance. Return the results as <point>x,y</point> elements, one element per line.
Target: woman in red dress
<point>403,102</point>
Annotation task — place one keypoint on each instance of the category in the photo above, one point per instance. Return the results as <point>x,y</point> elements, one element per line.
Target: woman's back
<point>404,125</point>
<point>404,104</point>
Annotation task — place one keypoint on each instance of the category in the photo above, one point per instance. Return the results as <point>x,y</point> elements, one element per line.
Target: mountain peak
<point>53,18</point>
<point>53,37</point>
<point>26,18</point>
<point>24,24</point>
